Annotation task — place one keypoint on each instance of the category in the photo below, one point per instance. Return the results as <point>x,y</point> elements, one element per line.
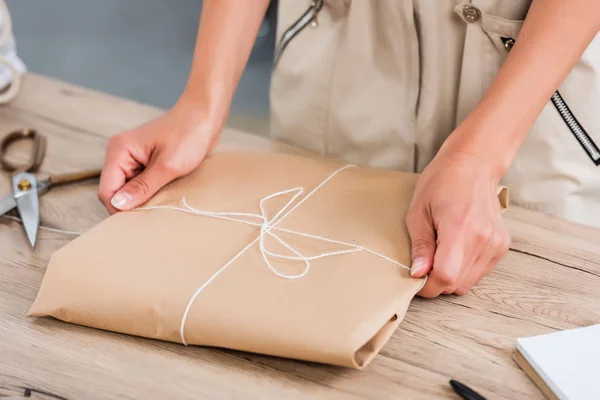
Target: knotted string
<point>267,227</point>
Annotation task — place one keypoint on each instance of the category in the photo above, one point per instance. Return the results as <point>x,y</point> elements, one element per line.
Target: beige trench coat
<point>384,82</point>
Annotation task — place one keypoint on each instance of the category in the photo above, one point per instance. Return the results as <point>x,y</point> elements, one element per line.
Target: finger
<point>447,264</point>
<point>472,250</point>
<point>473,274</point>
<point>497,247</point>
<point>112,178</point>
<point>472,267</point>
<point>422,235</point>
<point>119,166</point>
<point>142,187</point>
<point>481,245</point>
<point>490,265</point>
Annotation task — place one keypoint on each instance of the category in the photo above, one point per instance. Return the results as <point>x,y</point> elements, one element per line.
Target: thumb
<point>141,188</point>
<point>422,236</point>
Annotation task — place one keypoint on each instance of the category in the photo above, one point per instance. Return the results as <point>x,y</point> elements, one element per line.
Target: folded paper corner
<point>365,354</point>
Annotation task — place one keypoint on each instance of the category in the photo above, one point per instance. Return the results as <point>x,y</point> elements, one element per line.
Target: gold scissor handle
<point>56,180</point>
<point>37,155</point>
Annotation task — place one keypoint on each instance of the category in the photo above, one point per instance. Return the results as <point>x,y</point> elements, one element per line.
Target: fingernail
<point>417,266</point>
<point>119,200</point>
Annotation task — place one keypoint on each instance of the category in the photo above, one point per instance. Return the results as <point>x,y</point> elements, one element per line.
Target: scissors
<point>26,188</point>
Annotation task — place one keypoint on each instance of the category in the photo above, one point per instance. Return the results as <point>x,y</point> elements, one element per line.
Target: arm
<point>228,29</point>
<point>459,241</point>
<point>140,161</point>
<point>554,36</point>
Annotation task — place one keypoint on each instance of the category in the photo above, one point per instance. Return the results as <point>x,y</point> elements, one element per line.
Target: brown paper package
<point>136,271</point>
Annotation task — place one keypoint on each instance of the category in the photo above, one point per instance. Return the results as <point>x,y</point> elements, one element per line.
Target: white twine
<point>266,228</point>
<point>46,228</point>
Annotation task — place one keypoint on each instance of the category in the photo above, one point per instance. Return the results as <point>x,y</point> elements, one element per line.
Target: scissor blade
<point>28,207</point>
<point>28,204</point>
<point>7,204</point>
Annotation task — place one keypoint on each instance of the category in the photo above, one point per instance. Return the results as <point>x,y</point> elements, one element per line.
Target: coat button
<point>471,14</point>
<point>509,43</point>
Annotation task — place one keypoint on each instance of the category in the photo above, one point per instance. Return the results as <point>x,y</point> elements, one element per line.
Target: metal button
<point>315,8</point>
<point>509,43</point>
<point>471,14</point>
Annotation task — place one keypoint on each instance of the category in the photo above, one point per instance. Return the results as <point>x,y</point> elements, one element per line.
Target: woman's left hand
<point>454,222</point>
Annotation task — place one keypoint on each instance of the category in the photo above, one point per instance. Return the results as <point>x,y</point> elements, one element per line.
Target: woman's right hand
<point>141,161</point>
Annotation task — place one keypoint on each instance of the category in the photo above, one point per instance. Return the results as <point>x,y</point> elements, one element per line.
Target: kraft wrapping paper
<point>135,272</point>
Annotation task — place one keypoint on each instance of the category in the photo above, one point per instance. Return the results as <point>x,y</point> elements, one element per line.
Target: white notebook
<point>567,361</point>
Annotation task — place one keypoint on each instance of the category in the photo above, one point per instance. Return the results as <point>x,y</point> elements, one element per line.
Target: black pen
<point>464,391</point>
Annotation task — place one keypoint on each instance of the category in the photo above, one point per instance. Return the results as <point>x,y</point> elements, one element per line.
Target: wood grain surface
<point>549,280</point>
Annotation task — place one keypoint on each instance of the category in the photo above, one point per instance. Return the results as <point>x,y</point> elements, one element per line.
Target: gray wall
<point>139,49</point>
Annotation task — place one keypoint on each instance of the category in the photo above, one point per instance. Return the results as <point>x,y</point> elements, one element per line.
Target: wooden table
<point>549,280</point>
